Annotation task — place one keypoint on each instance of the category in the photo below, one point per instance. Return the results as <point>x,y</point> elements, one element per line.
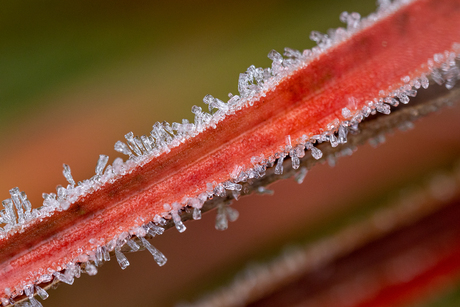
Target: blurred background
<point>76,76</point>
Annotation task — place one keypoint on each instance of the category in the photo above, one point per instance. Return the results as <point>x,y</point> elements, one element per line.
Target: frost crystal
<point>224,215</point>
<point>68,175</point>
<point>41,292</point>
<point>277,59</point>
<point>322,40</point>
<point>29,291</point>
<point>232,214</point>
<point>221,218</point>
<point>279,166</point>
<point>160,259</point>
<point>352,20</point>
<point>132,144</point>
<point>15,194</point>
<point>121,258</point>
<point>34,302</point>
<point>154,230</point>
<point>99,254</point>
<point>300,175</point>
<point>175,215</point>
<point>65,278</point>
<point>134,246</point>
<point>343,131</point>
<point>228,185</point>
<point>346,113</point>
<point>264,190</point>
<point>90,269</point>
<point>196,214</point>
<point>333,140</point>
<point>7,215</point>
<point>123,148</point>
<point>316,153</point>
<point>101,163</point>
<point>295,159</point>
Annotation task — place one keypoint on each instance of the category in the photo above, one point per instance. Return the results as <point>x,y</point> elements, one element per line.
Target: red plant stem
<point>395,270</point>
<point>375,59</point>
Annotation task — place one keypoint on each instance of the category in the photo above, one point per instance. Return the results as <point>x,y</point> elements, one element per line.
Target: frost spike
<point>132,144</point>
<point>221,218</point>
<point>300,175</point>
<point>123,148</point>
<point>101,163</point>
<point>343,131</point>
<point>160,259</point>
<point>196,214</point>
<point>134,246</point>
<point>121,258</point>
<point>316,153</point>
<point>279,166</point>
<point>154,230</point>
<point>68,175</point>
<point>41,292</point>
<point>34,302</point>
<point>90,269</point>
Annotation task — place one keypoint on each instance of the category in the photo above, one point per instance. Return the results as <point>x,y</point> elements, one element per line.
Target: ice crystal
<point>68,175</point>
<point>121,258</point>
<point>160,259</point>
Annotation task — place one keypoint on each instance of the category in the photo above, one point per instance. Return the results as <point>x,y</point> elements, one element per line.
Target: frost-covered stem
<point>432,100</point>
<point>303,100</point>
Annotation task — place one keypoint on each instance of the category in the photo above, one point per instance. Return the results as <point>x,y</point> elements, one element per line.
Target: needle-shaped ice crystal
<point>196,214</point>
<point>132,144</point>
<point>68,175</point>
<point>224,215</point>
<point>221,218</point>
<point>41,292</point>
<point>219,190</point>
<point>123,148</point>
<point>121,258</point>
<point>15,196</point>
<point>90,269</point>
<point>29,291</point>
<point>279,166</point>
<point>160,259</point>
<point>228,185</point>
<point>5,301</point>
<point>333,140</point>
<point>179,225</point>
<point>300,175</point>
<point>154,230</point>
<point>232,214</point>
<point>64,278</point>
<point>101,163</point>
<point>322,40</point>
<point>292,53</point>
<point>424,81</point>
<point>316,153</point>
<point>134,246</point>
<point>295,161</point>
<point>343,131</point>
<point>8,216</point>
<point>34,302</point>
<point>264,190</point>
<point>277,64</point>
